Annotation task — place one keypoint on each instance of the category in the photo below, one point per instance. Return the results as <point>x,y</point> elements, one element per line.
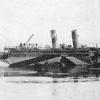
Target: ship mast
<point>29,39</point>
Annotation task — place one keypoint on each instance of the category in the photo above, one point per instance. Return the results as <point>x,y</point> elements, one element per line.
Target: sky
<point>21,18</point>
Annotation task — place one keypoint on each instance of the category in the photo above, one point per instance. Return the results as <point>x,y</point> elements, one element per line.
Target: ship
<point>25,53</point>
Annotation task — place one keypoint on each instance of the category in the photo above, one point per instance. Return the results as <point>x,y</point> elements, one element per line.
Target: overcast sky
<point>21,18</point>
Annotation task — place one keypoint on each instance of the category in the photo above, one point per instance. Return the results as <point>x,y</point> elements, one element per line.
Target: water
<point>46,88</point>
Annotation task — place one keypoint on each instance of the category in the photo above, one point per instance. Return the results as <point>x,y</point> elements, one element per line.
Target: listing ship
<point>31,53</point>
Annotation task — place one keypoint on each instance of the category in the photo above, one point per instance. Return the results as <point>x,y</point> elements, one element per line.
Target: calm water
<point>45,88</point>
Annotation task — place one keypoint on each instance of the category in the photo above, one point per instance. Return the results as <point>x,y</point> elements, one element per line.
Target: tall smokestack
<point>54,38</point>
<point>75,39</point>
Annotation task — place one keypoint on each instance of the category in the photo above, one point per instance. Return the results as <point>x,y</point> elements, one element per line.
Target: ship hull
<point>15,60</point>
<point>29,57</point>
<point>32,60</point>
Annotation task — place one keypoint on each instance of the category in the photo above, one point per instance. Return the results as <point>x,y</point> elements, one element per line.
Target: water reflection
<point>49,88</point>
<point>48,79</point>
<point>21,88</point>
